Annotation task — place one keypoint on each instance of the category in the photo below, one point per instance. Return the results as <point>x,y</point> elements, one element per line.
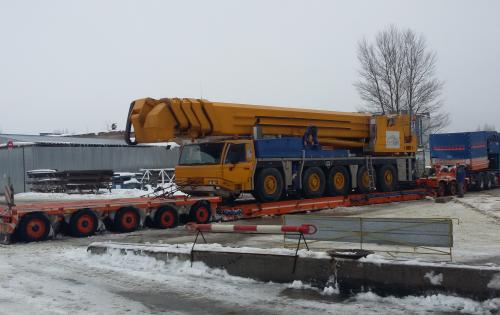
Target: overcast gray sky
<point>77,65</point>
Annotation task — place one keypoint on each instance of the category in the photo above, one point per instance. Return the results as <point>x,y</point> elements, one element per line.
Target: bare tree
<point>486,127</point>
<point>398,75</point>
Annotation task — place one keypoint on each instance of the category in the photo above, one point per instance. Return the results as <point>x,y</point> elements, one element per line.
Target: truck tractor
<point>478,151</point>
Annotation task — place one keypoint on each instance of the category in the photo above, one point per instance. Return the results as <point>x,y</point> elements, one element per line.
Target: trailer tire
<point>166,217</point>
<point>200,212</point>
<point>452,188</point>
<point>363,180</point>
<point>313,183</point>
<point>491,180</point>
<point>441,191</point>
<point>127,219</point>
<point>34,227</point>
<point>480,182</point>
<point>338,182</point>
<point>387,178</point>
<point>487,182</point>
<point>83,223</point>
<point>269,185</point>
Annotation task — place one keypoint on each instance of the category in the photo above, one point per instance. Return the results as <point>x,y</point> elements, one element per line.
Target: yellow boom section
<point>174,118</point>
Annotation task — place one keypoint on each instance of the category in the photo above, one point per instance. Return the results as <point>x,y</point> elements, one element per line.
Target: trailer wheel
<point>452,188</point>
<point>200,212</point>
<point>166,217</point>
<point>34,227</point>
<point>127,219</point>
<point>480,182</point>
<point>363,180</point>
<point>269,185</point>
<point>441,191</point>
<point>339,181</point>
<point>83,223</point>
<point>387,178</point>
<point>491,180</point>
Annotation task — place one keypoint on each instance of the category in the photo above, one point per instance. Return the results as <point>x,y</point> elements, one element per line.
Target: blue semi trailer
<point>479,151</point>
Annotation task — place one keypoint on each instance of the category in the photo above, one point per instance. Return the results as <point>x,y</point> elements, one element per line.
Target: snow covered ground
<point>55,278</point>
<point>59,277</point>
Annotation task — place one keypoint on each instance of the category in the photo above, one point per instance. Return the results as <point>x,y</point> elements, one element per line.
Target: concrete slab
<point>381,276</point>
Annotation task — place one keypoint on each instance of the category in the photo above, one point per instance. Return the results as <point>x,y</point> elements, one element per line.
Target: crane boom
<point>170,119</point>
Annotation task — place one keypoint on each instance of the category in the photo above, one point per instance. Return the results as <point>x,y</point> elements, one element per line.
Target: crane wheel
<point>387,178</point>
<point>34,227</point>
<point>363,180</point>
<point>338,182</point>
<point>166,217</point>
<point>127,220</point>
<point>200,212</point>
<point>269,185</point>
<point>313,182</point>
<point>83,223</point>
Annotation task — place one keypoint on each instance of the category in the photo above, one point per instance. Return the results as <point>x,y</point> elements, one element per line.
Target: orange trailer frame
<point>164,212</point>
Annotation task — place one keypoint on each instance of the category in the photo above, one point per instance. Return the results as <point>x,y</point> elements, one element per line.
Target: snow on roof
<point>20,140</point>
<point>35,139</point>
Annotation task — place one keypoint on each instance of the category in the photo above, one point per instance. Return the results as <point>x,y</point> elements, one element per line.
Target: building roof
<point>58,140</point>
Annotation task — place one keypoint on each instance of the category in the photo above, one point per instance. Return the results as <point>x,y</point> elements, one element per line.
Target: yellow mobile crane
<point>274,152</point>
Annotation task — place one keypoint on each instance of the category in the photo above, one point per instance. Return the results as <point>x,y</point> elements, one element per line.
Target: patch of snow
<point>435,303</point>
<point>495,282</point>
<point>329,290</point>
<point>185,248</point>
<point>104,194</point>
<point>378,260</point>
<point>434,279</point>
<point>17,144</point>
<point>131,181</point>
<point>299,285</point>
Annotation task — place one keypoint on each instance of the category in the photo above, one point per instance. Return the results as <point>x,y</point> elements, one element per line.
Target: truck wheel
<point>127,220</point>
<point>338,182</point>
<point>200,212</point>
<point>452,188</point>
<point>313,182</point>
<point>34,227</point>
<point>387,177</point>
<point>83,223</point>
<point>166,217</point>
<point>269,185</point>
<point>363,180</point>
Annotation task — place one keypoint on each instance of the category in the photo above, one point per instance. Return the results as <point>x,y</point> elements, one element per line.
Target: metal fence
<point>17,161</point>
<point>409,232</point>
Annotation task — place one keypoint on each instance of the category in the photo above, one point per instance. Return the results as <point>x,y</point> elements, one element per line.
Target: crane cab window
<point>236,153</point>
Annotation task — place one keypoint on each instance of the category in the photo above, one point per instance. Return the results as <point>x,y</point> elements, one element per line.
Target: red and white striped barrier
<point>265,229</point>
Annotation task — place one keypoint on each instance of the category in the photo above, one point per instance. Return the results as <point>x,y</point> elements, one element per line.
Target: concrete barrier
<point>381,276</point>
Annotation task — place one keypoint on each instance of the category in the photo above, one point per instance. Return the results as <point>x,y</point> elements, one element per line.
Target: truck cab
<point>223,168</point>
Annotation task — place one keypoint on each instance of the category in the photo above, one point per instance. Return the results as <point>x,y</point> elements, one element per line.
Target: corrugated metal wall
<point>12,164</point>
<point>16,162</point>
